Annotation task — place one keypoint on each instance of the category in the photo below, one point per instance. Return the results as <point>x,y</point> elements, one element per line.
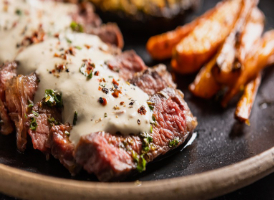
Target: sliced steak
<point>92,24</point>
<point>7,72</point>
<point>111,157</point>
<point>62,148</point>
<point>153,80</point>
<point>45,117</point>
<point>108,33</point>
<point>20,91</point>
<point>87,16</point>
<point>127,64</point>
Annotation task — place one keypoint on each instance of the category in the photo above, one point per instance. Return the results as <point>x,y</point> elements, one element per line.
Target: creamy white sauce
<point>21,18</point>
<point>79,93</point>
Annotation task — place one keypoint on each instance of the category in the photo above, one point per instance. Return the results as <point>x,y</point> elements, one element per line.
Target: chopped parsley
<point>150,105</point>
<point>33,124</point>
<point>51,120</point>
<point>76,27</point>
<point>174,142</point>
<point>79,48</point>
<point>53,98</point>
<point>141,165</point>
<point>18,12</point>
<point>35,113</point>
<point>140,161</point>
<point>147,139</point>
<point>68,40</point>
<point>85,72</point>
<point>30,104</point>
<point>75,118</point>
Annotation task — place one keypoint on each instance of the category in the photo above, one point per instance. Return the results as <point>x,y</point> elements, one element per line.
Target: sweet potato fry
<point>204,85</point>
<point>238,44</point>
<point>251,33</point>
<point>245,104</point>
<point>204,40</point>
<point>253,64</point>
<point>160,46</point>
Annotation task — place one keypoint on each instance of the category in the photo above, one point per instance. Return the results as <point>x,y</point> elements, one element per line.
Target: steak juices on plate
<point>83,101</point>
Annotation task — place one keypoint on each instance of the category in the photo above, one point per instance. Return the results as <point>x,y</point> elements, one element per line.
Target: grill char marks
<point>110,156</point>
<point>153,80</point>
<point>7,72</point>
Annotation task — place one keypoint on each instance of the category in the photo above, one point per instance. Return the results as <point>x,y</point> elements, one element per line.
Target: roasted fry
<point>253,64</point>
<point>204,85</point>
<point>160,46</point>
<point>245,104</point>
<point>204,40</point>
<point>238,44</point>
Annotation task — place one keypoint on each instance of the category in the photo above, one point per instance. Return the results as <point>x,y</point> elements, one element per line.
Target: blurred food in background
<point>147,16</point>
<point>227,46</point>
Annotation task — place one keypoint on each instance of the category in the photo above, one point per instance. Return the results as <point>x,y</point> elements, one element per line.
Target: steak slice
<point>127,64</point>
<point>92,24</point>
<point>112,157</point>
<point>153,80</point>
<point>45,117</point>
<point>19,92</point>
<point>7,72</point>
<point>108,33</point>
<point>62,148</point>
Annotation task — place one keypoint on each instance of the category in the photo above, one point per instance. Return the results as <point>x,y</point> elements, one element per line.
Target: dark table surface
<point>262,189</point>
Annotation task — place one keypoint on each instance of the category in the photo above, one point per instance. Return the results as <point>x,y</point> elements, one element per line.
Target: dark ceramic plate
<point>220,141</point>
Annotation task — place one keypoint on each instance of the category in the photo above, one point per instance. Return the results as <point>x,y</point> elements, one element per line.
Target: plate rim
<point>27,185</point>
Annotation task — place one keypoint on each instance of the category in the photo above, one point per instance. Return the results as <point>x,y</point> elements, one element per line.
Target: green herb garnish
<point>51,120</point>
<point>79,48</point>
<point>33,124</point>
<point>150,105</point>
<point>76,27</point>
<point>68,40</point>
<point>35,113</point>
<point>83,70</point>
<point>141,166</point>
<point>30,104</point>
<point>75,118</point>
<point>174,142</point>
<point>53,98</point>
<point>18,12</point>
<point>140,161</point>
<point>147,139</point>
<point>105,115</point>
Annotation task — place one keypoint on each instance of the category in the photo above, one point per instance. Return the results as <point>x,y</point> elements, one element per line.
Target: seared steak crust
<point>7,72</point>
<point>20,91</point>
<point>62,148</point>
<point>45,117</point>
<point>153,80</point>
<point>92,24</point>
<point>127,64</point>
<point>112,156</point>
